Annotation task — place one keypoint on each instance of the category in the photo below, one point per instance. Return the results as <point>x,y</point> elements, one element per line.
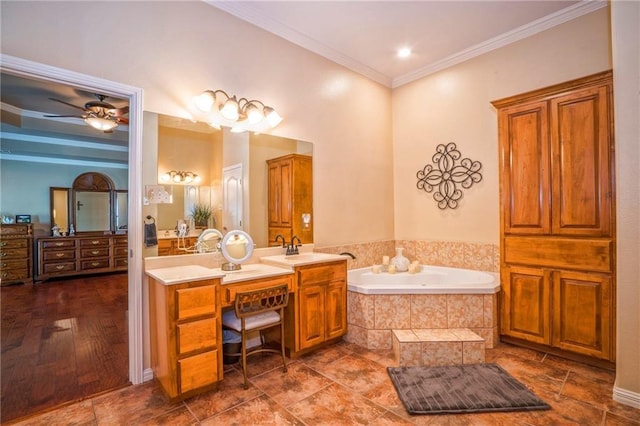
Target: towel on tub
<point>150,234</point>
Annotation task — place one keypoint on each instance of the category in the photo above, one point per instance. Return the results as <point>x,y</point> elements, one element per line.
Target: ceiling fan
<point>98,114</point>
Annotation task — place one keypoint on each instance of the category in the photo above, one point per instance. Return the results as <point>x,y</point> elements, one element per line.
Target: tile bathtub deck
<point>344,384</point>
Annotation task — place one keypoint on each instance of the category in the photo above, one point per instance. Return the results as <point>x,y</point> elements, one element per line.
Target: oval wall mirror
<point>237,247</point>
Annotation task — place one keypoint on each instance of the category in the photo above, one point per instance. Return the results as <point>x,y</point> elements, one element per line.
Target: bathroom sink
<point>300,259</point>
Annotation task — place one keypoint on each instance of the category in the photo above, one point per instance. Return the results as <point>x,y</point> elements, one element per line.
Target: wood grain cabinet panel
<point>16,253</point>
<point>558,217</point>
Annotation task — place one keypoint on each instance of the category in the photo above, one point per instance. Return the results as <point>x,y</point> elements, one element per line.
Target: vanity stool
<point>257,310</point>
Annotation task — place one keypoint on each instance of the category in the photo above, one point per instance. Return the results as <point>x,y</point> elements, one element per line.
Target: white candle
<point>392,269</point>
<point>385,260</point>
<point>376,269</point>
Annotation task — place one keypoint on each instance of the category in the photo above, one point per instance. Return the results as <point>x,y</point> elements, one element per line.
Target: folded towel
<point>150,235</point>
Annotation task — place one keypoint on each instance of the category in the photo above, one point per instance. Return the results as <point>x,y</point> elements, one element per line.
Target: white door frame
<point>29,69</point>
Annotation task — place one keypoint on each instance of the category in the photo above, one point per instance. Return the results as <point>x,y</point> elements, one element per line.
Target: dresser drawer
<point>229,290</point>
<point>15,229</point>
<point>121,251</point>
<point>94,242</point>
<point>94,252</point>
<point>14,243</point>
<point>14,274</point>
<point>11,253</point>
<point>15,264</point>
<point>195,301</point>
<point>57,255</point>
<point>59,268</point>
<point>122,262</point>
<point>121,241</point>
<point>49,244</point>
<point>197,335</point>
<point>198,371</point>
<point>86,265</point>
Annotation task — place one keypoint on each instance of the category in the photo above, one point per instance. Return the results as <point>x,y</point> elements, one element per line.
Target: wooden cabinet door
<point>582,304</point>
<point>525,169</point>
<point>280,175</point>
<point>525,304</point>
<point>312,315</point>
<point>582,181</point>
<point>336,301</point>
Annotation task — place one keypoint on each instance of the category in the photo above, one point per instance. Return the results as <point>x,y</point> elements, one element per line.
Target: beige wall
<point>454,106</point>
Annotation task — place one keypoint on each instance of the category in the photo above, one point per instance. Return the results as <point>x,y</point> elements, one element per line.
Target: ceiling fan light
<point>100,123</point>
<point>230,109</point>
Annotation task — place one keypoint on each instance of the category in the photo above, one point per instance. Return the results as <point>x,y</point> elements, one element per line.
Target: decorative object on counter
<point>72,230</point>
<point>415,267</point>
<point>400,262</point>
<point>180,177</point>
<point>7,220</point>
<point>391,269</point>
<point>376,269</point>
<point>448,175</point>
<point>150,232</point>
<point>385,260</point>
<point>241,115</point>
<point>237,247</point>
<point>201,213</point>
<point>23,218</point>
<point>55,231</point>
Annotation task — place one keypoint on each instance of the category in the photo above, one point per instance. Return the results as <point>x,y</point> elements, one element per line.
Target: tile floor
<point>344,384</point>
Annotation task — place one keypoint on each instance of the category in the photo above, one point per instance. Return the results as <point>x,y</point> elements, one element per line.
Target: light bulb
<point>100,123</point>
<point>205,101</point>
<point>253,114</point>
<point>273,118</point>
<point>230,109</point>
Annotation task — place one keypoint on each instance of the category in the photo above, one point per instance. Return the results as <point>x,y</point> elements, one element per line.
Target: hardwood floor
<point>62,340</point>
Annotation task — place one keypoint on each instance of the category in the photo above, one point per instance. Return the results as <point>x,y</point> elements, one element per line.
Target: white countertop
<point>301,259</point>
<point>181,274</point>
<point>252,271</point>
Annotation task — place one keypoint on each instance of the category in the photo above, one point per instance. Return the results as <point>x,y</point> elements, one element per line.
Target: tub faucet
<point>292,248</point>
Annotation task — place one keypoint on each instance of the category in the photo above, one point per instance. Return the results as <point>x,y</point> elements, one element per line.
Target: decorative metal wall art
<point>447,175</point>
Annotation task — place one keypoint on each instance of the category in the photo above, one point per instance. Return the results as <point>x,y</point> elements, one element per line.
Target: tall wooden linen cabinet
<point>290,198</point>
<point>558,218</point>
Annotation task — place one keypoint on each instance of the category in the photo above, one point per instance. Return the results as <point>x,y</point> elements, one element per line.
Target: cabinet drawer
<point>14,243</point>
<point>321,273</point>
<point>58,255</point>
<point>121,241</point>
<point>197,371</point>
<point>229,290</point>
<point>15,264</point>
<point>57,268</point>
<point>15,229</point>
<point>122,262</point>
<point>94,242</point>
<point>121,251</point>
<point>14,274</point>
<point>195,301</point>
<point>10,253</point>
<point>197,335</point>
<point>94,252</point>
<point>58,244</point>
<point>94,264</point>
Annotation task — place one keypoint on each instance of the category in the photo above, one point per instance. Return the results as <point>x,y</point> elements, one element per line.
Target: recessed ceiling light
<point>404,52</point>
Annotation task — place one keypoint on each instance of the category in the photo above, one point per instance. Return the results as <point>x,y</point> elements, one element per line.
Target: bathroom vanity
<point>186,304</point>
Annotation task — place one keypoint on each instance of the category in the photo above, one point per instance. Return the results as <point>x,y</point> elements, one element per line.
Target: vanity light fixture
<point>180,177</point>
<point>239,114</point>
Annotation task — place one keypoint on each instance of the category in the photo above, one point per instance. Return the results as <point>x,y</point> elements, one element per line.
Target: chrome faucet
<point>292,248</point>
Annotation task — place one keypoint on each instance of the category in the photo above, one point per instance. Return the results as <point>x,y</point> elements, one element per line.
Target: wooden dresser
<point>558,218</point>
<point>65,256</point>
<point>16,253</point>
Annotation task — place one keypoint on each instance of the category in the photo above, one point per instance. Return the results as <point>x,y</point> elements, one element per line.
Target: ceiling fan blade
<point>59,116</point>
<point>68,104</point>
<point>122,120</point>
<point>119,111</point>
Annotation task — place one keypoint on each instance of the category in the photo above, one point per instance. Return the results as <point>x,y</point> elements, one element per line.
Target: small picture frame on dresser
<point>23,218</point>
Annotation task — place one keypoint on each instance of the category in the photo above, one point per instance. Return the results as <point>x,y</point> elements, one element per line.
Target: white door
<point>232,197</point>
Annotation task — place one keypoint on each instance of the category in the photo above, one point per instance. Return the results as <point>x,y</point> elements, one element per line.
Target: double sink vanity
<point>187,296</point>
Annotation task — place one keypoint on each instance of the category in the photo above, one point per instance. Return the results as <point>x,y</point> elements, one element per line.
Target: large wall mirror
<point>232,173</point>
<point>91,205</point>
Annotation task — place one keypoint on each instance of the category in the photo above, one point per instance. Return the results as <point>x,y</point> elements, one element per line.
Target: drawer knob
<point>59,254</point>
<point>3,243</point>
<point>4,275</point>
<point>60,267</point>
<point>3,254</point>
<point>4,265</point>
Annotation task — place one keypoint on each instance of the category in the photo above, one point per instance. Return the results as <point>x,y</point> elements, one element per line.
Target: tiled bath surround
<point>371,318</point>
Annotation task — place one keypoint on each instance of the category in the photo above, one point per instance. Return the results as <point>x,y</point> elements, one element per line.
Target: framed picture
<point>23,218</point>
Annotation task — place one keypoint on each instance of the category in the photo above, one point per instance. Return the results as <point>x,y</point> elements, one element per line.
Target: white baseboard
<point>147,375</point>
<point>626,397</point>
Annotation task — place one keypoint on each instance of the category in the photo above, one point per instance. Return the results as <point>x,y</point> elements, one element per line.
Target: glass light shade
<point>273,118</point>
<point>177,178</point>
<point>196,179</point>
<point>253,114</point>
<point>100,123</point>
<point>230,109</point>
<point>204,102</point>
<point>165,177</point>
<point>188,178</point>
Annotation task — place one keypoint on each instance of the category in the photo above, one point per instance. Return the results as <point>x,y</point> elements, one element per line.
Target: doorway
<point>33,70</point>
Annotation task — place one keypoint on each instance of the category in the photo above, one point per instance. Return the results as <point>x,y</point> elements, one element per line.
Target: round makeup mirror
<point>209,241</point>
<point>237,247</point>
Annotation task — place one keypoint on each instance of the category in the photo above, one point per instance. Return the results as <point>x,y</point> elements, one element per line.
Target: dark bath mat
<point>469,388</point>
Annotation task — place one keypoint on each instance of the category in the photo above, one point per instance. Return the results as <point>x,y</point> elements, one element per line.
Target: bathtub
<point>430,280</point>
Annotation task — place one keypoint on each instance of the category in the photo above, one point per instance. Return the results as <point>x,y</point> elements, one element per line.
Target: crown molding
<point>247,13</point>
<point>534,27</point>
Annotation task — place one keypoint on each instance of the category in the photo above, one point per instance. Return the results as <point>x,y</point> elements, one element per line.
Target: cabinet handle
<point>3,254</point>
<point>5,275</point>
<point>59,254</point>
<point>60,267</point>
<point>3,243</point>
<point>4,265</point>
<point>60,244</point>
<point>95,242</point>
<point>95,252</point>
<point>95,263</point>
